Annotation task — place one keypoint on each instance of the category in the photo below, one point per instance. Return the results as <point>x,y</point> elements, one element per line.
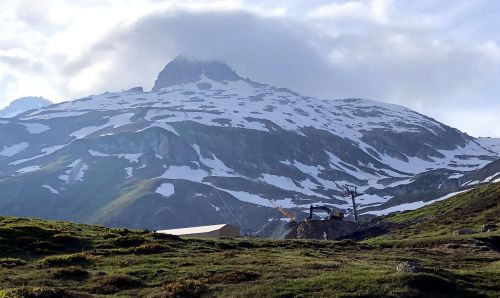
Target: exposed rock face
<point>182,71</point>
<point>275,229</point>
<point>135,90</point>
<point>323,229</point>
<point>408,266</point>
<point>464,232</point>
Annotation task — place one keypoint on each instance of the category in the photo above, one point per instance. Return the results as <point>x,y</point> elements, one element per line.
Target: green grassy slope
<point>468,210</point>
<point>59,259</point>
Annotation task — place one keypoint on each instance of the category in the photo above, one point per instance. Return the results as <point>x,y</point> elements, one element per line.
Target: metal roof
<point>193,230</point>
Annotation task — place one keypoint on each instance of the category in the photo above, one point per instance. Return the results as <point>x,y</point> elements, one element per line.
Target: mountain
<point>207,146</point>
<point>22,105</point>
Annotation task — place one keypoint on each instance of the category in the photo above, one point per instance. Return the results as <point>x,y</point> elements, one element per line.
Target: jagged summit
<point>182,70</point>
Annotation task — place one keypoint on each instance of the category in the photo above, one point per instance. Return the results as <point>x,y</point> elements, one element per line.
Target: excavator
<point>331,215</point>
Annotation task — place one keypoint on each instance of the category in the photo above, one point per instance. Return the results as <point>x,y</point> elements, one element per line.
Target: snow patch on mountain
<point>166,189</point>
<point>129,171</point>
<point>28,169</point>
<point>46,151</point>
<point>492,144</point>
<point>36,128</point>
<point>413,205</point>
<point>215,207</point>
<point>491,178</point>
<point>113,122</point>
<point>162,125</point>
<point>131,157</point>
<point>54,114</point>
<point>51,189</point>
<point>75,173</point>
<point>217,166</point>
<point>9,151</point>
<point>185,173</point>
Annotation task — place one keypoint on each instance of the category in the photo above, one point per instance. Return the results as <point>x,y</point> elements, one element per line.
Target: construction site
<point>322,222</point>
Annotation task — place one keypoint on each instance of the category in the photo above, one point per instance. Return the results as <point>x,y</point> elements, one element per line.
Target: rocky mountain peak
<point>182,70</point>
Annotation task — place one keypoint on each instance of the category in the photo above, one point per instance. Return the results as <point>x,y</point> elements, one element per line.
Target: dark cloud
<point>271,50</point>
<point>384,65</point>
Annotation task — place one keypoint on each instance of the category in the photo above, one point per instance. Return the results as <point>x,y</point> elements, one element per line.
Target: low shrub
<point>67,260</point>
<point>110,284</point>
<point>246,244</point>
<point>69,240</point>
<point>322,266</point>
<point>150,248</point>
<point>11,262</point>
<point>166,236</point>
<point>129,241</point>
<point>41,292</point>
<point>123,231</point>
<point>181,288</point>
<point>36,245</point>
<point>429,283</point>
<point>34,230</point>
<point>233,277</point>
<point>224,245</point>
<point>71,273</point>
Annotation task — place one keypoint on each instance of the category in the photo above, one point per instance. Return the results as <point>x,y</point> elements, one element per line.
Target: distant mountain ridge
<point>24,104</point>
<point>207,146</point>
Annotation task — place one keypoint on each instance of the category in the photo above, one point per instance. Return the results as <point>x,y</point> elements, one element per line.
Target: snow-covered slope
<point>22,105</point>
<point>207,146</point>
<point>491,144</point>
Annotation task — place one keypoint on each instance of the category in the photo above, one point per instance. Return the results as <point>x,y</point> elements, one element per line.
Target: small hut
<point>214,231</point>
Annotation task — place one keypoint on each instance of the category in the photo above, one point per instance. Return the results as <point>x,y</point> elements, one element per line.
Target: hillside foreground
<point>59,259</point>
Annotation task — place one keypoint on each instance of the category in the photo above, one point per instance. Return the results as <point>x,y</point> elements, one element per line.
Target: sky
<point>440,58</point>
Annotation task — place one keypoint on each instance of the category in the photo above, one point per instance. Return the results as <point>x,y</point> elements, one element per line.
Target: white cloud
<point>478,121</point>
<point>373,11</point>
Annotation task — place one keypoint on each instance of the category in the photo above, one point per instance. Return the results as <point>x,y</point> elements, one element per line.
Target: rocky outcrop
<point>275,229</point>
<point>464,232</point>
<point>409,266</point>
<point>183,71</point>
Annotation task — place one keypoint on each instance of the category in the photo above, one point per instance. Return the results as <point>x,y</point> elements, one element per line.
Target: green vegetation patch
<point>110,284</point>
<point>67,260</point>
<point>60,259</point>
<point>71,273</point>
<point>12,262</point>
<point>40,292</point>
<point>181,288</point>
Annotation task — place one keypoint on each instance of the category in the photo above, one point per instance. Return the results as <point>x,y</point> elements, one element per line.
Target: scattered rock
<point>451,245</point>
<point>159,272</point>
<point>135,90</point>
<point>488,228</point>
<point>100,273</point>
<point>464,232</point>
<point>408,266</point>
